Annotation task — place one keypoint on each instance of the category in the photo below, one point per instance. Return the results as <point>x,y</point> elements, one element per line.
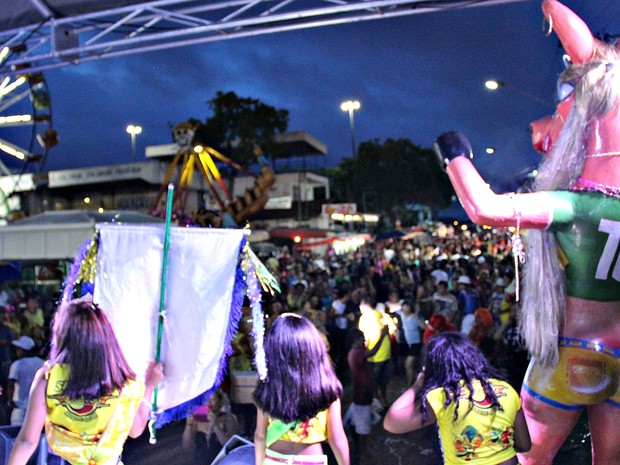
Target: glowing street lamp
<point>351,106</point>
<point>133,130</point>
<point>494,85</point>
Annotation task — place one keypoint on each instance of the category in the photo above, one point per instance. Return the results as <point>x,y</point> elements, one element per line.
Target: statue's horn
<point>574,34</point>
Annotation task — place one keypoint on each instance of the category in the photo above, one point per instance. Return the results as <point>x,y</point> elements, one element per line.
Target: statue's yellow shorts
<point>588,373</point>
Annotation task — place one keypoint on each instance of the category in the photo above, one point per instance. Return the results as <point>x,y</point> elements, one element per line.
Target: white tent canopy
<point>57,235</point>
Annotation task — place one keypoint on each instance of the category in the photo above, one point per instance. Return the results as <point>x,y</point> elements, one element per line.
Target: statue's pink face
<point>545,131</point>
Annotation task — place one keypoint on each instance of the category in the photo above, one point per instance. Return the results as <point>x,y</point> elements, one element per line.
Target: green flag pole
<point>162,302</point>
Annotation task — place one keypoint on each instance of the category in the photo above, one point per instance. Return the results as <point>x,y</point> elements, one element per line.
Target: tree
<point>386,177</point>
<point>238,123</point>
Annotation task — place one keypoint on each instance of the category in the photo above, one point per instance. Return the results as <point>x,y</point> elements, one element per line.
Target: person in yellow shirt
<point>86,395</point>
<point>372,323</point>
<point>478,413</point>
<point>33,316</point>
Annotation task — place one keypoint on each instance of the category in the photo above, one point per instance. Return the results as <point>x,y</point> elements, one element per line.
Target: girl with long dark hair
<point>478,413</point>
<point>86,395</point>
<point>298,404</point>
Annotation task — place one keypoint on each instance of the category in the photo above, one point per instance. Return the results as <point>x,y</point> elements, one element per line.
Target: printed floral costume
<point>89,432</point>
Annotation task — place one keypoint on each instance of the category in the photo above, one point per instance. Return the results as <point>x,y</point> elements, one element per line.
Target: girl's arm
<point>499,333</point>
<point>259,437</point>
<point>419,320</point>
<point>523,443</point>
<point>30,433</point>
<point>336,435</point>
<point>377,346</point>
<point>10,390</point>
<point>405,414</point>
<point>154,375</point>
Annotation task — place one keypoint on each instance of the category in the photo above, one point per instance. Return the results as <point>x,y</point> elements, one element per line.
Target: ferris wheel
<point>26,132</point>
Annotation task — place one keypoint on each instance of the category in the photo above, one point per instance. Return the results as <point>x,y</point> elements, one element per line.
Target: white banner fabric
<point>200,280</point>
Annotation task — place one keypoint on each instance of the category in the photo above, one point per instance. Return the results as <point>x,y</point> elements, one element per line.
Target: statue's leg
<point>549,427</point>
<point>605,433</point>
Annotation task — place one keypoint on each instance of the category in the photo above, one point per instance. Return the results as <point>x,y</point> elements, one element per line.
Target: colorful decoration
<point>265,278</point>
<point>258,322</point>
<point>570,314</point>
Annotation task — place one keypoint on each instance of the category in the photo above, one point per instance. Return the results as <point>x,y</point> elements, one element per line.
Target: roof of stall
<point>57,235</point>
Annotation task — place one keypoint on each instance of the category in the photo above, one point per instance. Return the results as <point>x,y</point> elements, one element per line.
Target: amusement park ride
<point>26,132</point>
<point>25,102</point>
<point>192,156</point>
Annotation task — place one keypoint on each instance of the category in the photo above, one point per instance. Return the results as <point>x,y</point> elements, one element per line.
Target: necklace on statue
<point>591,186</point>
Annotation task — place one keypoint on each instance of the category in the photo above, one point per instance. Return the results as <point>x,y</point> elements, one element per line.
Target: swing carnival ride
<point>191,156</point>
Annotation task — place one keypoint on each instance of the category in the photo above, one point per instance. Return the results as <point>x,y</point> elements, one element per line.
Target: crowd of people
<point>25,318</point>
<point>416,288</point>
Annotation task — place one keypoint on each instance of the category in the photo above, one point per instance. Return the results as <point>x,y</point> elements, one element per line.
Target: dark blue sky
<point>415,76</point>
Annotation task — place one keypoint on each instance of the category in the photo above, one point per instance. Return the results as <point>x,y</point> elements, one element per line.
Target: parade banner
<point>203,285</point>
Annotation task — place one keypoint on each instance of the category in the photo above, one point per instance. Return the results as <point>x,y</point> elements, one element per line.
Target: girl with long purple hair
<point>298,404</point>
<point>86,395</point>
<point>478,413</point>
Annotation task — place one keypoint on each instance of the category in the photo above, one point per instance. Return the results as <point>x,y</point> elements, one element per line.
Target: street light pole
<point>351,106</point>
<point>133,130</point>
<point>493,85</point>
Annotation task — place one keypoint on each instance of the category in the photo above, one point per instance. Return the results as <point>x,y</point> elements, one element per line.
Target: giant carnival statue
<point>570,313</point>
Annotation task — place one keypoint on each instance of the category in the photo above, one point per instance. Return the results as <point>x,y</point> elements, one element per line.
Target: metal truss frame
<point>162,24</point>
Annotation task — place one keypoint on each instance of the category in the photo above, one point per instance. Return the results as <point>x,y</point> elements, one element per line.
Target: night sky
<point>415,77</point>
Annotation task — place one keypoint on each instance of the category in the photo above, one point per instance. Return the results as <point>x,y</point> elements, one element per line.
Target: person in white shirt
<point>337,327</point>
<point>411,346</point>
<point>445,303</point>
<point>21,374</point>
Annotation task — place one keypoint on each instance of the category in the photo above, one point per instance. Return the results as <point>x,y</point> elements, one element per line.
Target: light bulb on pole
<point>133,130</point>
<point>493,85</point>
<point>350,106</point>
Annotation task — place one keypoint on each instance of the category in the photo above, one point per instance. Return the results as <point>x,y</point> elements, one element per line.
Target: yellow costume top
<point>89,432</point>
<point>483,435</point>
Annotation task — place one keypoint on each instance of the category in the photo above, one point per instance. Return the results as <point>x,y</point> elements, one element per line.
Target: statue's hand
<point>450,145</point>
